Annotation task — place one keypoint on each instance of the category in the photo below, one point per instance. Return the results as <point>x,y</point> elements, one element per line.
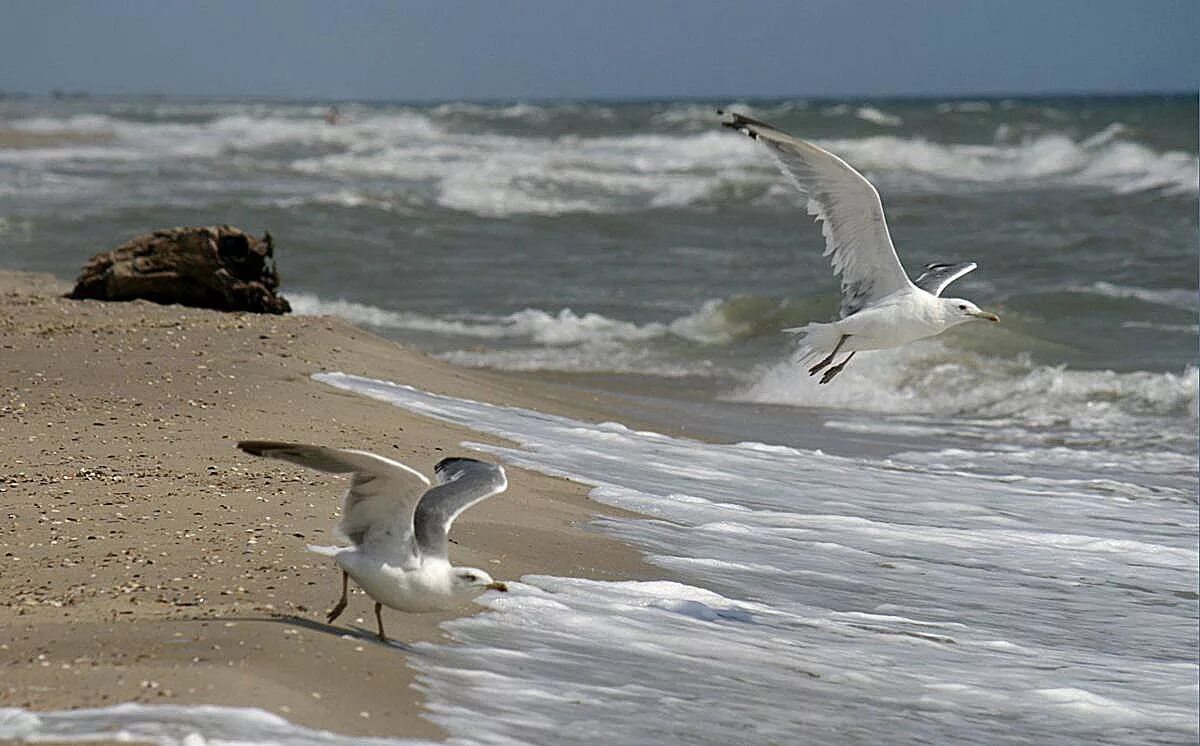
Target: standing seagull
<point>398,523</point>
<point>881,307</point>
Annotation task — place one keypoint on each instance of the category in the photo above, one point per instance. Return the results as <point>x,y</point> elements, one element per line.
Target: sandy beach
<point>145,559</point>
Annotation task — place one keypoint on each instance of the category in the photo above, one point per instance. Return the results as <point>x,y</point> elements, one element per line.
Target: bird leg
<point>829,374</point>
<point>816,368</point>
<point>340,606</point>
<point>379,619</point>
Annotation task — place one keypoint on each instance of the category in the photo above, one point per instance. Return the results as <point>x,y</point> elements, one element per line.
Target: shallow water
<point>831,598</point>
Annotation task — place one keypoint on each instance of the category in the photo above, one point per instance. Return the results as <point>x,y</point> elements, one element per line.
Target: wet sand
<point>143,558</point>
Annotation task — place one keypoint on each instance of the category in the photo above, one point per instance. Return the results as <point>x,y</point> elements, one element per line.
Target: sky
<point>582,49</point>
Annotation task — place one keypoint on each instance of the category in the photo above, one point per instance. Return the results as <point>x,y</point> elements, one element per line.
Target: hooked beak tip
<point>987,316</point>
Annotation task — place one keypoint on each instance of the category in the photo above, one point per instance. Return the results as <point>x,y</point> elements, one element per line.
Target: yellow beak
<point>985,315</point>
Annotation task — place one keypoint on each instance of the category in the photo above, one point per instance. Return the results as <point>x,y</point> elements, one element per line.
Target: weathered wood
<point>217,267</point>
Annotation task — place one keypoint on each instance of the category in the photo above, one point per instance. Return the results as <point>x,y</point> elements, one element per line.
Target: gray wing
<point>848,206</point>
<point>377,513</point>
<point>462,482</point>
<point>936,277</point>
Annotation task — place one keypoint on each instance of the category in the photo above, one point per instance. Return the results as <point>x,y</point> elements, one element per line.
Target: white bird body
<point>414,588</point>
<point>881,307</point>
<point>397,524</point>
<point>895,320</point>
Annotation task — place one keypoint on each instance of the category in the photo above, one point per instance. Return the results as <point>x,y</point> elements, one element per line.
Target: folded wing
<point>462,482</point>
<point>848,206</point>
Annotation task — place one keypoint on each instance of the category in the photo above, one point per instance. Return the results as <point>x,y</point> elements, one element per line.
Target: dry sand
<point>143,558</point>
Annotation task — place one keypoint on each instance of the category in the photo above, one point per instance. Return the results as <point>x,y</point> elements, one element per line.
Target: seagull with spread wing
<point>397,524</point>
<point>880,307</point>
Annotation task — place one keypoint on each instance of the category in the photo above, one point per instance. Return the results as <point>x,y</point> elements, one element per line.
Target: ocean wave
<point>498,176</point>
<point>569,341</point>
<point>716,322</point>
<point>1130,474</point>
<point>231,133</point>
<point>1188,300</point>
<point>1192,329</point>
<point>1120,166</point>
<point>937,377</point>
<point>930,378</point>
<point>875,116</point>
<point>533,168</point>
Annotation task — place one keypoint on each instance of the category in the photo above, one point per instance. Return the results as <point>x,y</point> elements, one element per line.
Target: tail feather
<point>816,341</point>
<point>325,550</point>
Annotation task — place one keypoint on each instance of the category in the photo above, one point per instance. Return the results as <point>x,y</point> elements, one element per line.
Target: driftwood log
<point>217,267</point>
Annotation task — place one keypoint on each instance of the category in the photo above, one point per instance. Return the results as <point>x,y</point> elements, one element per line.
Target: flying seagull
<point>397,524</point>
<point>880,307</point>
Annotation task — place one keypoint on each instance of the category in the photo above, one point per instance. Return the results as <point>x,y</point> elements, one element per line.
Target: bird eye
<point>962,308</point>
<point>469,578</point>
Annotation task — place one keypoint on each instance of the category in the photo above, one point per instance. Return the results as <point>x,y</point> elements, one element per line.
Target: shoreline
<point>145,559</point>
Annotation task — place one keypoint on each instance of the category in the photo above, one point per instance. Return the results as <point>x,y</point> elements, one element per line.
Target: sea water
<point>825,599</point>
<point>641,237</point>
<point>987,537</point>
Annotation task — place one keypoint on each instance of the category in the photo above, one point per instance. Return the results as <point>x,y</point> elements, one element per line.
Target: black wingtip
<point>261,447</point>
<point>452,461</point>
<point>253,447</point>
<point>741,123</point>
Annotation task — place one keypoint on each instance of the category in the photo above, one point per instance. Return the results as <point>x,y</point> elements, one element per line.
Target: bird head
<point>959,311</point>
<point>473,581</point>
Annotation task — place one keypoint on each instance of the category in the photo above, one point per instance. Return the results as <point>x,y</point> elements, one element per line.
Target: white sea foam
<point>1123,167</point>
<point>533,339</point>
<point>898,603</point>
<point>930,378</point>
<point>565,341</point>
<point>172,725</point>
<point>875,116</point>
<point>707,325</point>
<point>499,175</point>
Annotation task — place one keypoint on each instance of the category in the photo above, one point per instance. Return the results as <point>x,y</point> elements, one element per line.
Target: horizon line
<point>68,94</point>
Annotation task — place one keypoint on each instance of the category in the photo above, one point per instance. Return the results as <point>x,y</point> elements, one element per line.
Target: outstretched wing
<point>856,234</point>
<point>377,512</point>
<point>936,277</point>
<point>462,482</point>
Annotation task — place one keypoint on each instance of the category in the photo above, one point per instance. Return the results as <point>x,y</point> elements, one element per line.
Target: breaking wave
<point>538,165</point>
<point>930,378</point>
<point>716,322</point>
<point>693,344</point>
